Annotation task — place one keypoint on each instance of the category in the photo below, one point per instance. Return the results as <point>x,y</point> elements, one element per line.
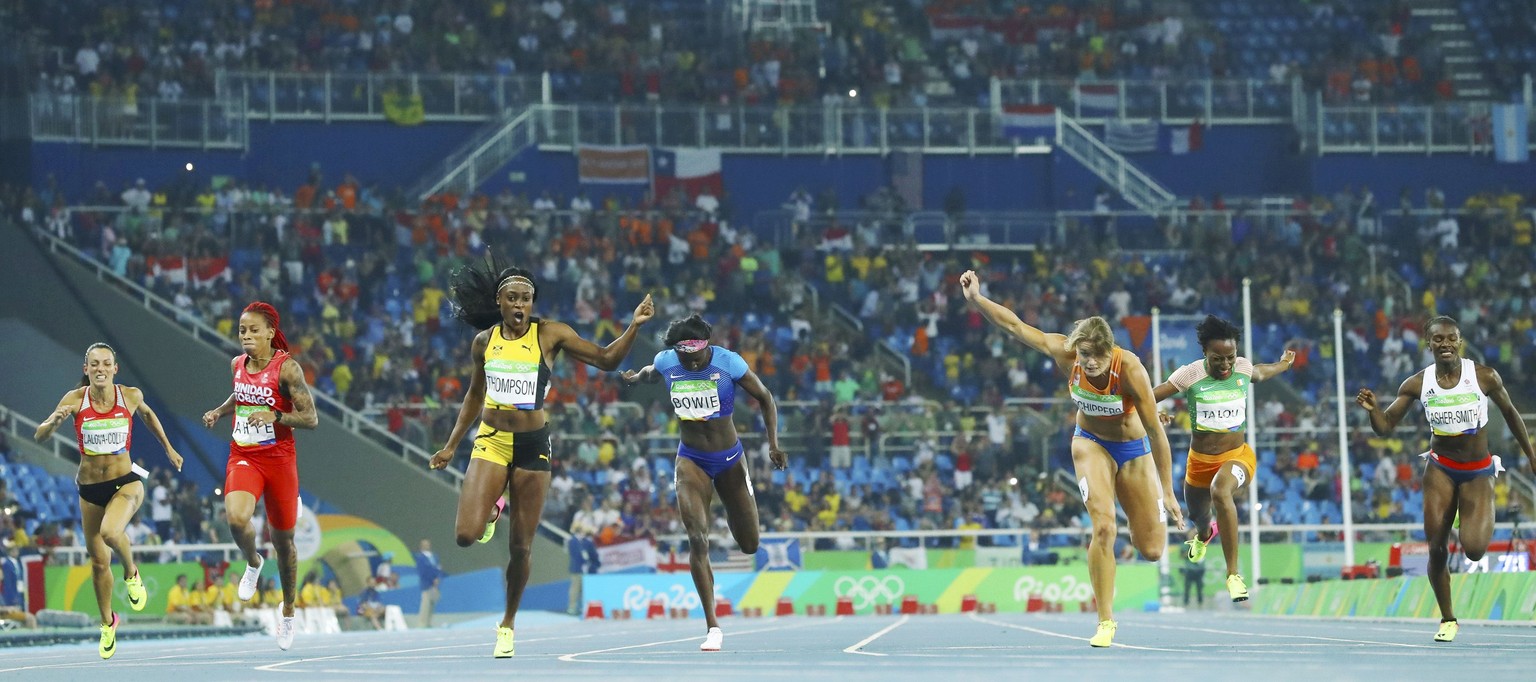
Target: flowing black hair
<point>474,288</point>
<point>85,379</point>
<point>689,328</point>
<point>1440,319</point>
<point>1213,328</point>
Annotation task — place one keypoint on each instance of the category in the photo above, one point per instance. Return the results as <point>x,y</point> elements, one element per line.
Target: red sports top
<point>254,392</point>
<point>104,433</point>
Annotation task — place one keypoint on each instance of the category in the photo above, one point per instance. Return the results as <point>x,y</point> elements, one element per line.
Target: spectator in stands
<point>184,605</point>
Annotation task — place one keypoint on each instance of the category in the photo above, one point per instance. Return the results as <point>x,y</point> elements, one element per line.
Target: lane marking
<point>855,649</point>
<point>576,657</point>
<point>1282,636</point>
<point>1038,631</point>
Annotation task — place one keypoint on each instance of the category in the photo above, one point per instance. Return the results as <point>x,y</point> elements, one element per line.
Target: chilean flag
<point>692,169</point>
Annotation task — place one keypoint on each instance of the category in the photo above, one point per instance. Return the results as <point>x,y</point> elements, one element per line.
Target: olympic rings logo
<point>865,591</point>
<point>1064,589</point>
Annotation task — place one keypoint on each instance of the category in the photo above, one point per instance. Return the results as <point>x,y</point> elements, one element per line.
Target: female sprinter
<point>512,356</point>
<point>111,487</point>
<point>702,381</point>
<point>1216,390</point>
<point>270,400</point>
<point>1115,418</point>
<point>1458,469</point>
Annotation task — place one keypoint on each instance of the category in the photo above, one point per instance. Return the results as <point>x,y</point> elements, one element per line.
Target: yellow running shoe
<point>109,637</point>
<point>490,528</point>
<point>1448,630</point>
<point>1106,634</point>
<point>1237,588</point>
<point>504,646</point>
<point>1196,549</point>
<point>136,596</point>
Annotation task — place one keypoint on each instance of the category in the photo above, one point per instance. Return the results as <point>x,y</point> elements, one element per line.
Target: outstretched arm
<point>644,375</point>
<point>606,358</point>
<point>1493,385</point>
<point>1054,345</point>
<point>755,388</point>
<point>1383,421</point>
<point>67,407</point>
<point>1140,385</point>
<point>151,420</point>
<point>474,402</point>
<point>1269,369</point>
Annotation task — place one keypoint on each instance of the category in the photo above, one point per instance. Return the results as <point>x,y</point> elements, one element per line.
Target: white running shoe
<point>713,640</point>
<point>248,581</point>
<point>284,629</point>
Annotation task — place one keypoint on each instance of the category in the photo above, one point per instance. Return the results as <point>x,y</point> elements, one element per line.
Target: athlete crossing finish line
<point>1216,389</point>
<point>702,380</point>
<point>512,351</point>
<point>269,401</point>
<point>1458,469</point>
<point>111,485</point>
<point>1117,427</point>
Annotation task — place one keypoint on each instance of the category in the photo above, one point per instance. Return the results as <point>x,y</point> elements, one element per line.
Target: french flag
<point>1098,99</point>
<point>692,169</point>
<point>1029,122</point>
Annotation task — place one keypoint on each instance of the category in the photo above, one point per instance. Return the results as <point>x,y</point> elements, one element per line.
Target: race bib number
<point>1095,405</point>
<point>1220,409</point>
<point>512,383</point>
<point>247,433</point>
<point>695,400</point>
<point>104,436</point>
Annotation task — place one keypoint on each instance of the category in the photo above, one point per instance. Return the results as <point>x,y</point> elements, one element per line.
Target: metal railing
<point>1137,187</point>
<point>141,121</point>
<point>347,96</point>
<point>21,427</point>
<point>1219,101</point>
<point>833,129</point>
<point>467,167</point>
<point>1444,128</point>
<point>200,331</point>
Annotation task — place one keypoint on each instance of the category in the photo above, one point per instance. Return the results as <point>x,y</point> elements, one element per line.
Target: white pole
<point>1344,471</point>
<point>1164,568</point>
<point>1253,438</point>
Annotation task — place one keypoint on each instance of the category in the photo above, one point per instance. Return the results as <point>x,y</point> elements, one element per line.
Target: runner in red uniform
<point>111,485</point>
<point>270,399</point>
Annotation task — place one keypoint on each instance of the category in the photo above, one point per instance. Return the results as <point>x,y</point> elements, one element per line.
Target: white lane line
<point>576,657</point>
<point>1281,636</point>
<point>276,667</point>
<point>857,648</point>
<point>1038,631</point>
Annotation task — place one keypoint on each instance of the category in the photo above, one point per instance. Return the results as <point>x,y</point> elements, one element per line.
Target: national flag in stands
<point>1098,99</point>
<point>692,169</point>
<point>172,268</point>
<point>1131,136</point>
<point>210,270</point>
<point>1029,122</point>
<point>1510,143</point>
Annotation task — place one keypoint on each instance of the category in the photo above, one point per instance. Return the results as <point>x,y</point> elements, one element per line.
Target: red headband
<point>279,341</point>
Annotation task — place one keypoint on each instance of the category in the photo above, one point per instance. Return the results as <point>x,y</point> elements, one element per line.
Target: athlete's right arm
<point>1383,421</point>
<point>213,416</point>
<point>1054,345</point>
<point>67,407</point>
<point>474,401</point>
<point>645,375</point>
<point>1164,391</point>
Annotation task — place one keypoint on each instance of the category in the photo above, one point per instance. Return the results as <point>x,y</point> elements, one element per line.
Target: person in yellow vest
<point>212,599</point>
<point>178,604</point>
<point>272,595</point>
<point>229,598</point>
<point>309,594</point>
<point>330,597</point>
